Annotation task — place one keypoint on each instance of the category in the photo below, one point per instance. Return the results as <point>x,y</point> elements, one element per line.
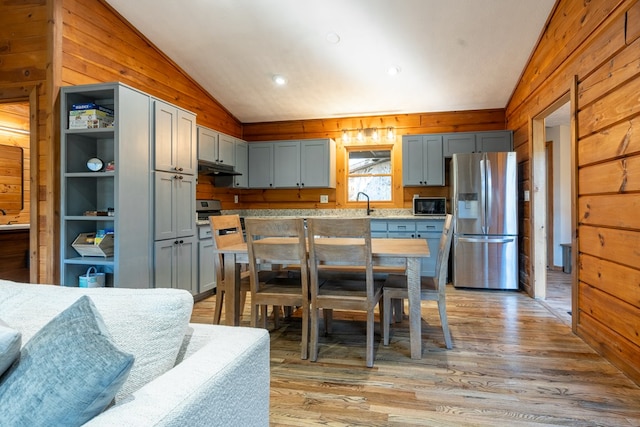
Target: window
<point>370,173</point>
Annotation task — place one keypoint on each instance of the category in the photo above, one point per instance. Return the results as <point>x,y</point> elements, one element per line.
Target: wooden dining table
<point>406,253</point>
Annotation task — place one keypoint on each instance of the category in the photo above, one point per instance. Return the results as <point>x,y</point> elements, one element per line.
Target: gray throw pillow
<point>67,373</point>
<point>10,342</point>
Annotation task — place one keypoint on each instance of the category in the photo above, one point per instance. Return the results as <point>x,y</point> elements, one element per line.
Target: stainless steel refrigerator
<point>484,201</point>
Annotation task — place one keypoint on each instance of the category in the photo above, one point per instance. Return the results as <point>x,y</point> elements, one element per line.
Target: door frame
<point>538,244</point>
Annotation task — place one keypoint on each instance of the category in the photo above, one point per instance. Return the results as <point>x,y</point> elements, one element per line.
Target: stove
<point>206,208</point>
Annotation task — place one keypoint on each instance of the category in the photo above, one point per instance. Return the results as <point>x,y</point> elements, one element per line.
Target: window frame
<point>363,202</point>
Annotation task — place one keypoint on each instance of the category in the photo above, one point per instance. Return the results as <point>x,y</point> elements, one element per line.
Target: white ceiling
<point>452,54</point>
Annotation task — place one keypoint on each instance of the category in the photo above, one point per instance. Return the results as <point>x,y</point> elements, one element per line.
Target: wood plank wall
<point>25,49</point>
<point>598,42</point>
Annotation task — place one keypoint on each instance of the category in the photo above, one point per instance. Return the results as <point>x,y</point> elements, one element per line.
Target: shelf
<point>92,133</point>
<point>109,174</point>
<point>89,261</point>
<point>89,218</point>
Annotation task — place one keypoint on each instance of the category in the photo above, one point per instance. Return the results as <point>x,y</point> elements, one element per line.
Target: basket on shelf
<point>85,244</point>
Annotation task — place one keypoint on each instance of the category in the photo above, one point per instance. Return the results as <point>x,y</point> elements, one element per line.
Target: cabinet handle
<point>181,241</point>
<point>176,242</point>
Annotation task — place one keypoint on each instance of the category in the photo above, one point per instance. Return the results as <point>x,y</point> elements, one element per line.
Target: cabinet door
<point>184,203</point>
<point>163,259</point>
<point>226,153</point>
<point>286,164</point>
<point>412,160</point>
<point>206,267</point>
<point>242,164</point>
<point>207,144</point>
<point>186,257</point>
<point>185,144</point>
<point>175,211</point>
<point>164,227</point>
<point>494,141</point>
<point>165,127</point>
<point>433,160</point>
<point>458,143</point>
<point>261,165</point>
<point>315,163</point>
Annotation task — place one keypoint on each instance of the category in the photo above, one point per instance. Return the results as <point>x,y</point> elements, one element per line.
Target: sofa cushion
<point>10,341</point>
<point>148,323</point>
<point>67,373</point>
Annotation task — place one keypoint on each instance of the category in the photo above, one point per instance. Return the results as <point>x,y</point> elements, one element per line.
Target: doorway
<point>552,202</point>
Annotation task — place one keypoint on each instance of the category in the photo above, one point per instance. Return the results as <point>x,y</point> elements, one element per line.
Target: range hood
<point>216,169</point>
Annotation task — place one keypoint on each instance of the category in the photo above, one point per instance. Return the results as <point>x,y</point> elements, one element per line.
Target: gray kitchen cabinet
<point>122,185</point>
<point>461,142</point>
<point>428,229</point>
<point>487,142</point>
<point>175,148</point>
<point>477,142</point>
<point>286,164</point>
<point>241,156</point>
<point>261,165</point>
<point>175,263</point>
<point>174,202</point>
<point>422,160</point>
<point>307,163</point>
<point>215,147</point>
<point>318,163</point>
<point>206,267</point>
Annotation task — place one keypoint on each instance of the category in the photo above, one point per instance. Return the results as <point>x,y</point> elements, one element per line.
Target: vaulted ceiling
<point>336,54</point>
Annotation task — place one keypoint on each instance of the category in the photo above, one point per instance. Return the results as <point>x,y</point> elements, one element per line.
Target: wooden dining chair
<point>335,244</point>
<point>431,288</point>
<point>227,231</point>
<point>278,242</point>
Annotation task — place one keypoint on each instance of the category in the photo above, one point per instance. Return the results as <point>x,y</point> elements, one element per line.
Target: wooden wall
<point>457,121</point>
<point>598,42</point>
<point>26,44</point>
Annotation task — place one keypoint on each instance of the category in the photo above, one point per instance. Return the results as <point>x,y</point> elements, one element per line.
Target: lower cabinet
<point>206,267</point>
<point>176,263</point>
<point>428,229</point>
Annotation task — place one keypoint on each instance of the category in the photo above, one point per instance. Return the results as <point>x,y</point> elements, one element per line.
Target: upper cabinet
<point>241,159</point>
<point>261,165</point>
<point>477,142</point>
<point>215,147</point>
<point>308,163</point>
<point>422,160</point>
<point>175,131</point>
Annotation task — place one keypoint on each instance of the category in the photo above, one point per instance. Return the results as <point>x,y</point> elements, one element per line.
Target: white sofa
<point>184,374</point>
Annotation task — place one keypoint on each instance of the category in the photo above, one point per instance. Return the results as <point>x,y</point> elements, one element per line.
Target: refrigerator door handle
<point>486,240</point>
<point>483,195</point>
<point>489,183</point>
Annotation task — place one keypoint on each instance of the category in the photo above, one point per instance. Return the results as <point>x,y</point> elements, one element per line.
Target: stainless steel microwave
<point>430,206</point>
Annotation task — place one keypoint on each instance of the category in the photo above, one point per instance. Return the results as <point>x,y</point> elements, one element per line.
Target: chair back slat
<point>444,248</point>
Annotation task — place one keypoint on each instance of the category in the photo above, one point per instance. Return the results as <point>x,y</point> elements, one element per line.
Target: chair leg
<point>398,308</point>
<point>386,311</point>
<point>327,315</point>
<point>264,310</point>
<point>315,324</point>
<point>304,351</point>
<point>371,321</point>
<point>217,312</point>
<point>442,308</point>
<point>254,314</point>
<point>243,300</point>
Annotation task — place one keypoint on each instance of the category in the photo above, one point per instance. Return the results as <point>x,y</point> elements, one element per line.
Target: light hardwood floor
<point>514,362</point>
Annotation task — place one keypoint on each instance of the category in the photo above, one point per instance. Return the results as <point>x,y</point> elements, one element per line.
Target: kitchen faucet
<point>365,195</point>
<point>3,211</point>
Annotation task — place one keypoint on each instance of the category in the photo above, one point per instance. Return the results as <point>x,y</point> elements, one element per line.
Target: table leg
<point>232,290</point>
<point>415,314</point>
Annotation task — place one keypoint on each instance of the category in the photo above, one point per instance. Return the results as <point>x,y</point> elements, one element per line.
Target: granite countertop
<point>343,213</point>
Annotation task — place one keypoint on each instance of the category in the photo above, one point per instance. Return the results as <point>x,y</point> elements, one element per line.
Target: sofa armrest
<point>224,383</point>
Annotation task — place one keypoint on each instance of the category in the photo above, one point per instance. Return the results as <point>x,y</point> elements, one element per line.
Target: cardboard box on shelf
<point>91,106</point>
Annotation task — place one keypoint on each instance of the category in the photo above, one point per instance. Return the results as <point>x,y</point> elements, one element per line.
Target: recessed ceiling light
<point>279,80</point>
<point>333,38</point>
<point>393,70</point>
